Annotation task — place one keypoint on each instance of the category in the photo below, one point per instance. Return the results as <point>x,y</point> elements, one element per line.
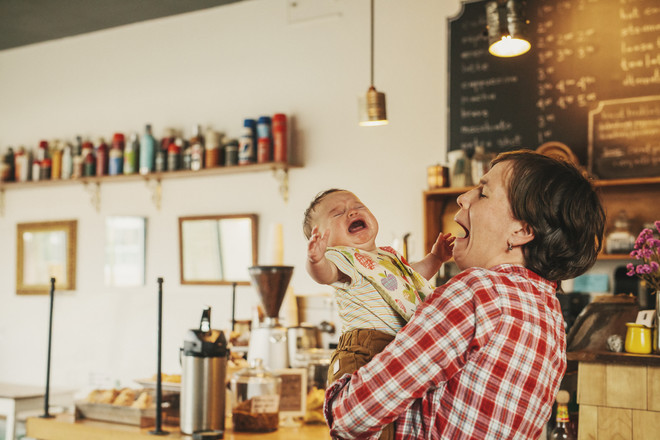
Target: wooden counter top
<point>610,357</point>
<point>64,427</point>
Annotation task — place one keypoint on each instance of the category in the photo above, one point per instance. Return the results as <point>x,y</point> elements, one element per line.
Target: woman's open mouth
<point>466,231</point>
<point>356,226</point>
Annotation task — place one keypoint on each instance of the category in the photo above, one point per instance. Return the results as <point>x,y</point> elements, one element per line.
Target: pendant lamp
<point>372,105</point>
<point>506,28</point>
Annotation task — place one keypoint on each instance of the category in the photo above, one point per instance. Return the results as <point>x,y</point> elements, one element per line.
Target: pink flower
<point>647,249</point>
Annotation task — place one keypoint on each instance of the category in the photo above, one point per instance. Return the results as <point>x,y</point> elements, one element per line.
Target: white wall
<point>214,67</point>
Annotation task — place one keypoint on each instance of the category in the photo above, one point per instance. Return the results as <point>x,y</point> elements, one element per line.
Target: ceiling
<point>24,22</point>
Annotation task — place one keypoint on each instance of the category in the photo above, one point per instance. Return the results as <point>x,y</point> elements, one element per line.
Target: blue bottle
<point>147,151</point>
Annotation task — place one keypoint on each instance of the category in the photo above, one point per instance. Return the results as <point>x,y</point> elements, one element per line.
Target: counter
<point>65,427</point>
<point>618,394</point>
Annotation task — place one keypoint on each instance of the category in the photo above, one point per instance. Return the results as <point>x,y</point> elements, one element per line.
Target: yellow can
<point>638,338</point>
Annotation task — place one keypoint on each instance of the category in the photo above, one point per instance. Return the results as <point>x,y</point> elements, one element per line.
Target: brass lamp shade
<point>506,28</point>
<point>372,108</point>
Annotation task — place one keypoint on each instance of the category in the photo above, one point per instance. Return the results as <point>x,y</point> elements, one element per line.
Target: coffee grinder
<point>268,342</point>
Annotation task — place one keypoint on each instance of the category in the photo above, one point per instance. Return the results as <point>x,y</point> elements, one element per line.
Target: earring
<point>510,248</point>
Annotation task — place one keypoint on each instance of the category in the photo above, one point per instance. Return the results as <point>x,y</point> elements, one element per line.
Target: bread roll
<point>125,398</point>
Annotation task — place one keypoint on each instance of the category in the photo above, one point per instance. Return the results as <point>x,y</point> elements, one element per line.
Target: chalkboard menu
<point>593,70</point>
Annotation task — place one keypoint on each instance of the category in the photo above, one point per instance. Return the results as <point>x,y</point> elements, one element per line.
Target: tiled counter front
<point>618,401</point>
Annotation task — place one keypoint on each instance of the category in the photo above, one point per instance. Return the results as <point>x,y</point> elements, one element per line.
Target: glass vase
<point>656,326</point>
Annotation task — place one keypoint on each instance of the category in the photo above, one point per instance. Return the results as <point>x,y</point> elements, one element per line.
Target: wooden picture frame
<point>46,250</point>
<point>293,395</point>
<point>217,249</point>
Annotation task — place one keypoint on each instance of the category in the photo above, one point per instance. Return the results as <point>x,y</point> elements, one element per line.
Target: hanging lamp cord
<point>372,43</point>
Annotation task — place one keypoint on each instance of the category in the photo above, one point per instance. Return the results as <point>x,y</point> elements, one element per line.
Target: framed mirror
<point>217,249</point>
<point>46,250</point>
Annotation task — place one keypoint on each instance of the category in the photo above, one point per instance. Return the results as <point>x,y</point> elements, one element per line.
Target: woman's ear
<point>522,235</point>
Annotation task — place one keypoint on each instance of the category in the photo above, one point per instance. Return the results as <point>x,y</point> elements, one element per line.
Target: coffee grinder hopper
<point>268,342</point>
<point>271,283</point>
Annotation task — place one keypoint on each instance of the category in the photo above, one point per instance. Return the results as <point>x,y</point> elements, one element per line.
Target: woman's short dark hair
<point>307,220</point>
<point>563,209</point>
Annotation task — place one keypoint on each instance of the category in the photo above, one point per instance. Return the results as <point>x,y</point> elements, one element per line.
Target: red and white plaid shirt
<point>482,358</point>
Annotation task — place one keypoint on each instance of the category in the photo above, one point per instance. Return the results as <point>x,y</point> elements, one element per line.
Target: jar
<point>255,399</point>
<point>638,338</point>
<point>620,240</point>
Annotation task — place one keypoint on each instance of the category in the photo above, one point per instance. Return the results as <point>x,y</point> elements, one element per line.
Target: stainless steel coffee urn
<point>203,378</point>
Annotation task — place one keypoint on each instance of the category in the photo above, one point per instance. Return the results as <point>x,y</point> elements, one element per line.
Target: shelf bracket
<point>156,189</point>
<point>282,177</point>
<point>94,191</point>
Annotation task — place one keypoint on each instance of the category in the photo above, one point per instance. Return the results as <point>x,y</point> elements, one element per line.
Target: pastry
<point>126,397</point>
<point>143,401</point>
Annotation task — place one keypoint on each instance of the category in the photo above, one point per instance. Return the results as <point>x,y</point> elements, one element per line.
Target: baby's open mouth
<point>356,226</point>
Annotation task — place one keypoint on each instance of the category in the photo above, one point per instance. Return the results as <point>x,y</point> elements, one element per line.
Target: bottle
<point>89,165</point>
<point>231,152</point>
<point>280,145</point>
<point>620,240</point>
<point>131,152</point>
<point>563,430</point>
<point>212,147</point>
<point>174,155</point>
<point>118,141</point>
<point>196,149</point>
<point>9,159</point>
<point>42,151</point>
<point>196,156</point>
<point>247,143</point>
<point>67,162</point>
<point>147,151</point>
<point>160,163</point>
<point>45,169</point>
<point>115,161</point>
<point>76,150</point>
<point>78,163</point>
<point>101,158</point>
<point>36,170</point>
<point>186,157</point>
<point>56,172</point>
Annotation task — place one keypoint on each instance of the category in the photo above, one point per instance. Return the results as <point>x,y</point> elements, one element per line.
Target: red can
<point>279,138</point>
<point>263,150</point>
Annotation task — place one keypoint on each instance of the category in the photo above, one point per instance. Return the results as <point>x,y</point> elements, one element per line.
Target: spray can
<point>280,146</point>
<point>247,143</point>
<point>264,140</point>
<point>115,161</point>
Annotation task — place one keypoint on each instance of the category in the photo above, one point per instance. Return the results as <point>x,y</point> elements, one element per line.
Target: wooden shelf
<point>639,197</point>
<point>153,180</point>
<point>253,168</point>
<point>610,357</point>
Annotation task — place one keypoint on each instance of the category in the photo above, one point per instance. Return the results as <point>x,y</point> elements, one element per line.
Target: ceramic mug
<point>638,338</point>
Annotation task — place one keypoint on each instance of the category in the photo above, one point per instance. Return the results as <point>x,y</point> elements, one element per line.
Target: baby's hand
<point>443,246</point>
<point>317,245</point>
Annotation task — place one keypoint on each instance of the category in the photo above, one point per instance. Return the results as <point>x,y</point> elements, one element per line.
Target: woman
<point>483,356</point>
